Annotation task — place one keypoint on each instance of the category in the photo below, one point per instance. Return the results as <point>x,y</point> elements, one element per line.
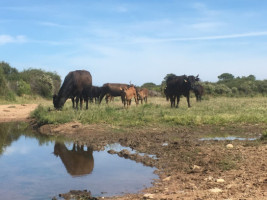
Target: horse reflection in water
<point>77,161</point>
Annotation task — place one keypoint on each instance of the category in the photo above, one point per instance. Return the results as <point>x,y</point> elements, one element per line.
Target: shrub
<point>42,83</point>
<point>264,135</point>
<point>10,96</point>
<point>222,89</point>
<point>23,88</point>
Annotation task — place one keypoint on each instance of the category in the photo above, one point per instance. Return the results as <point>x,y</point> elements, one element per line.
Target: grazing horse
<point>142,94</point>
<point>127,94</point>
<point>73,85</point>
<point>112,89</point>
<point>199,91</point>
<point>109,98</point>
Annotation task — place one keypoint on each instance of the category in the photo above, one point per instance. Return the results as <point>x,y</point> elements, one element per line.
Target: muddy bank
<point>188,167</point>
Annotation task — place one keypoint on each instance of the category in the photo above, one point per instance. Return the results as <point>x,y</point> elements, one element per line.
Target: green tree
<point>226,77</point>
<point>10,73</point>
<point>151,86</point>
<point>3,83</point>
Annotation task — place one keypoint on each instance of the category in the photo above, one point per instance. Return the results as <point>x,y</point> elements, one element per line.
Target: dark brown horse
<point>73,85</point>
<point>113,89</point>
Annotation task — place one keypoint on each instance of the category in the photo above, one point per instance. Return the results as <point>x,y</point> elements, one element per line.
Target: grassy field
<point>215,111</point>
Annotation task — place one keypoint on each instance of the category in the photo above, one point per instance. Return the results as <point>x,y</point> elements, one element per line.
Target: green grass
<point>215,111</point>
<point>264,135</point>
<point>228,163</point>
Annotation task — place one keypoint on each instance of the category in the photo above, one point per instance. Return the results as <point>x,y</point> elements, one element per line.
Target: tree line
<point>227,85</point>
<point>39,82</point>
<point>28,82</point>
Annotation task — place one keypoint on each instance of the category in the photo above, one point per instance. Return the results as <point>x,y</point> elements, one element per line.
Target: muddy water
<point>228,138</point>
<point>36,167</point>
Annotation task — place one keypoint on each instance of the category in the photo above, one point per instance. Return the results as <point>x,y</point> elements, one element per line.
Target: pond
<point>33,166</point>
<point>230,138</point>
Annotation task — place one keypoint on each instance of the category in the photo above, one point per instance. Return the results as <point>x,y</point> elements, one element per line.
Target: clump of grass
<point>227,164</point>
<point>44,115</point>
<point>264,135</point>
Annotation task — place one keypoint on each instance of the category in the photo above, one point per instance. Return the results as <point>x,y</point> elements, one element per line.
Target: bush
<point>264,135</point>
<point>3,83</point>
<point>234,91</point>
<point>222,89</point>
<point>209,88</point>
<point>42,83</point>
<point>10,96</point>
<point>23,88</point>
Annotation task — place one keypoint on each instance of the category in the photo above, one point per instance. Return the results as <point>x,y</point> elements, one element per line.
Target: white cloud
<point>5,39</point>
<point>202,8</point>
<point>22,150</point>
<point>206,26</point>
<point>51,24</point>
<point>122,9</point>
<point>212,37</point>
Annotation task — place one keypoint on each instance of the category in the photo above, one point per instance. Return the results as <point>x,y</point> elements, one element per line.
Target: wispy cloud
<point>202,8</point>
<point>215,37</point>
<point>5,39</point>
<point>206,26</point>
<point>51,24</point>
<point>121,9</point>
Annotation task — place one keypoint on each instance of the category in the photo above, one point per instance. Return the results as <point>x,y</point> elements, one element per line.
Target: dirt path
<point>16,112</point>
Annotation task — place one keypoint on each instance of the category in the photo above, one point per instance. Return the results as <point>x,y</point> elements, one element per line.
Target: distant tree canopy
<point>10,73</point>
<point>240,86</point>
<point>151,86</point>
<point>27,82</point>
<point>227,85</point>
<point>226,77</point>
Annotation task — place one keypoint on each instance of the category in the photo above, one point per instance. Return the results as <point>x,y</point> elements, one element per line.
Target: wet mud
<point>188,168</point>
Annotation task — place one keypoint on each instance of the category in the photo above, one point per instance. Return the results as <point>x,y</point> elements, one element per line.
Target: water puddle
<point>231,138</point>
<point>119,148</point>
<point>33,166</point>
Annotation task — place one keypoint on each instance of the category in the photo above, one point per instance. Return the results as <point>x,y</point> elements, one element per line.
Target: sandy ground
<point>16,112</point>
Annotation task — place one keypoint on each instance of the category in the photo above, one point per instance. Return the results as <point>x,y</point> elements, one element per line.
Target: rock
<point>167,179</point>
<point>111,151</point>
<point>148,196</point>
<point>124,153</point>
<point>210,178</point>
<point>196,168</point>
<point>220,180</point>
<point>229,146</point>
<point>215,190</point>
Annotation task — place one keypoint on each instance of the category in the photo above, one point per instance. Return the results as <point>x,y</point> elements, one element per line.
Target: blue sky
<point>136,41</point>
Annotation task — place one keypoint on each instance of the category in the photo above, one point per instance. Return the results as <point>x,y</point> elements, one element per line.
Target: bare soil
<point>16,112</point>
<point>188,168</point>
